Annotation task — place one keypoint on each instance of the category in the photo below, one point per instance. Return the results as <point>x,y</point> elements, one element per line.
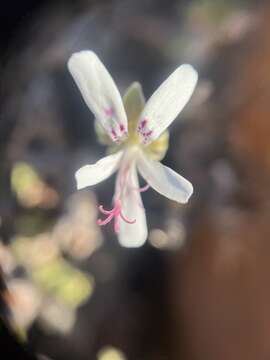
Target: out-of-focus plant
<point>30,189</point>
<point>49,287</point>
<point>110,353</point>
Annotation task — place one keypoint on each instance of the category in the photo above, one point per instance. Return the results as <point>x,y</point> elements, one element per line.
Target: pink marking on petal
<point>109,112</point>
<point>142,124</point>
<point>144,131</point>
<point>122,128</point>
<point>114,136</point>
<point>113,133</point>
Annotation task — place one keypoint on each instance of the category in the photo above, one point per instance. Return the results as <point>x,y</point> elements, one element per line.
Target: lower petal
<point>135,234</point>
<point>164,180</point>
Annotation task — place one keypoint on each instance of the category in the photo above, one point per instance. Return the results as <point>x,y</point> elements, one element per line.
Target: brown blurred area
<point>199,288</point>
<point>220,291</point>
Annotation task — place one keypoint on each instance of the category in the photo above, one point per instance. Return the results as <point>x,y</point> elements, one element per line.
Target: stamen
<point>106,221</point>
<point>141,189</point>
<point>103,211</point>
<point>127,220</point>
<point>144,188</point>
<point>115,213</point>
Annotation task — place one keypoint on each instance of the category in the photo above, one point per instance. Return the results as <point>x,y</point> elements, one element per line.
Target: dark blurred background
<point>198,289</point>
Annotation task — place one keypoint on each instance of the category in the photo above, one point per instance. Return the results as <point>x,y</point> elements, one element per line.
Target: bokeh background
<point>199,288</point>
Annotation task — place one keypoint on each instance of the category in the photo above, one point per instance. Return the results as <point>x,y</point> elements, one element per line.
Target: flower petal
<point>167,102</point>
<point>99,92</point>
<point>89,175</point>
<point>164,180</point>
<point>133,235</point>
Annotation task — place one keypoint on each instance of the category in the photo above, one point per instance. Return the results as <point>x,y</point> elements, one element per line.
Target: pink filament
<point>141,189</point>
<point>116,214</point>
<point>144,188</point>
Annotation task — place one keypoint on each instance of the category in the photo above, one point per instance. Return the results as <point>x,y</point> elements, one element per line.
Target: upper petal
<point>164,180</point>
<point>166,102</point>
<point>93,174</point>
<point>133,235</point>
<point>99,92</point>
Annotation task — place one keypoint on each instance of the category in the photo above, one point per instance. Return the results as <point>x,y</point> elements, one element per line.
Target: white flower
<point>136,144</point>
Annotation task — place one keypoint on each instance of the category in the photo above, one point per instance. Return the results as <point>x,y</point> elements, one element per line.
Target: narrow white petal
<point>133,235</point>
<point>99,92</point>
<point>167,102</point>
<point>164,180</point>
<point>89,175</point>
